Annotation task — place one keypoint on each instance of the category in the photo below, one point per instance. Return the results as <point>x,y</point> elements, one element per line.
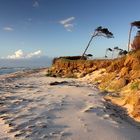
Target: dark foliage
<point>89,55</point>
<point>69,58</point>
<point>123,52</point>
<point>72,57</point>
<point>100,31</point>
<point>117,48</point>
<point>136,23</point>
<point>109,49</point>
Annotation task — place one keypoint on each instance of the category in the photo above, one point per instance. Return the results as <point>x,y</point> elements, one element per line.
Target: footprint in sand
<point>91,94</point>
<point>84,125</point>
<point>65,135</point>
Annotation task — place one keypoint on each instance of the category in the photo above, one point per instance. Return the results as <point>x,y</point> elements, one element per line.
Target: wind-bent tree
<point>136,24</point>
<point>100,31</point>
<point>108,50</point>
<point>117,49</point>
<point>122,53</point>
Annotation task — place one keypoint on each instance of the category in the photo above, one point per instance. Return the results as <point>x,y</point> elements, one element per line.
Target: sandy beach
<point>31,108</point>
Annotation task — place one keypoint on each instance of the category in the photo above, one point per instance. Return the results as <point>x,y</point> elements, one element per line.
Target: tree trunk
<point>129,38</point>
<point>88,45</point>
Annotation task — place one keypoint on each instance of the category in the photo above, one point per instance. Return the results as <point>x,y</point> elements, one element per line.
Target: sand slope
<point>32,109</point>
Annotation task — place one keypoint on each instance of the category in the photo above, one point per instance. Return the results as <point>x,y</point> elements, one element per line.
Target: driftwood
<point>58,83</point>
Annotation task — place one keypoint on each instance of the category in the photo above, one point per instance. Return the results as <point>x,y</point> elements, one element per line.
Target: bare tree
<point>100,31</point>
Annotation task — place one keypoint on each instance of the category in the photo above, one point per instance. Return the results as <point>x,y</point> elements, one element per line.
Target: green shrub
<point>135,86</point>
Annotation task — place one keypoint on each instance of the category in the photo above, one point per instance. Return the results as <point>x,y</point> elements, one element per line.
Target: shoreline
<point>30,94</point>
<point>20,74</point>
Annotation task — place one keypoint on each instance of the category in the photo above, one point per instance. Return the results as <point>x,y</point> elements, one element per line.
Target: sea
<point>10,66</point>
<point>8,70</point>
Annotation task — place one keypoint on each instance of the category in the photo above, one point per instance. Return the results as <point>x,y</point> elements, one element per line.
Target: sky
<point>30,28</point>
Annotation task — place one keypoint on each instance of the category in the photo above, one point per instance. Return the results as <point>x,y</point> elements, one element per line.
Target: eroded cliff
<point>120,77</point>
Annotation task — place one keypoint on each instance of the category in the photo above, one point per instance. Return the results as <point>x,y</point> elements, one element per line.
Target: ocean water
<point>6,70</point>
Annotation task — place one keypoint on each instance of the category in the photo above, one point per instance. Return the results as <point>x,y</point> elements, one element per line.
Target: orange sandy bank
<point>121,76</point>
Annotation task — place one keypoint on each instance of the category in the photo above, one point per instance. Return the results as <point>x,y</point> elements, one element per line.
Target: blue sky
<point>63,27</point>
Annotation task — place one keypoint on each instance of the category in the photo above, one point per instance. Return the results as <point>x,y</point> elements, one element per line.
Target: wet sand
<point>31,108</point>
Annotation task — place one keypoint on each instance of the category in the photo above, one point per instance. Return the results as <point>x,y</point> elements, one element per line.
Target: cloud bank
<point>67,23</point>
<point>19,54</point>
<point>21,59</point>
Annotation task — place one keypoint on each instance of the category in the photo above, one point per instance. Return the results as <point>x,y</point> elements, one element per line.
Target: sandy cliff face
<point>121,76</point>
<point>77,68</point>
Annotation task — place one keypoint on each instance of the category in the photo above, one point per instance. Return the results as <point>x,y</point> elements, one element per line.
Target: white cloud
<point>34,54</point>
<point>67,23</point>
<point>68,27</point>
<point>19,54</point>
<point>36,4</point>
<point>9,29</point>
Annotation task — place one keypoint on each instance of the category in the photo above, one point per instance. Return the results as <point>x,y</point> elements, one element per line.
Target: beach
<point>36,107</point>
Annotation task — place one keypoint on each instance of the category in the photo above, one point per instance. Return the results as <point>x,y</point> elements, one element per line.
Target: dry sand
<point>32,109</point>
